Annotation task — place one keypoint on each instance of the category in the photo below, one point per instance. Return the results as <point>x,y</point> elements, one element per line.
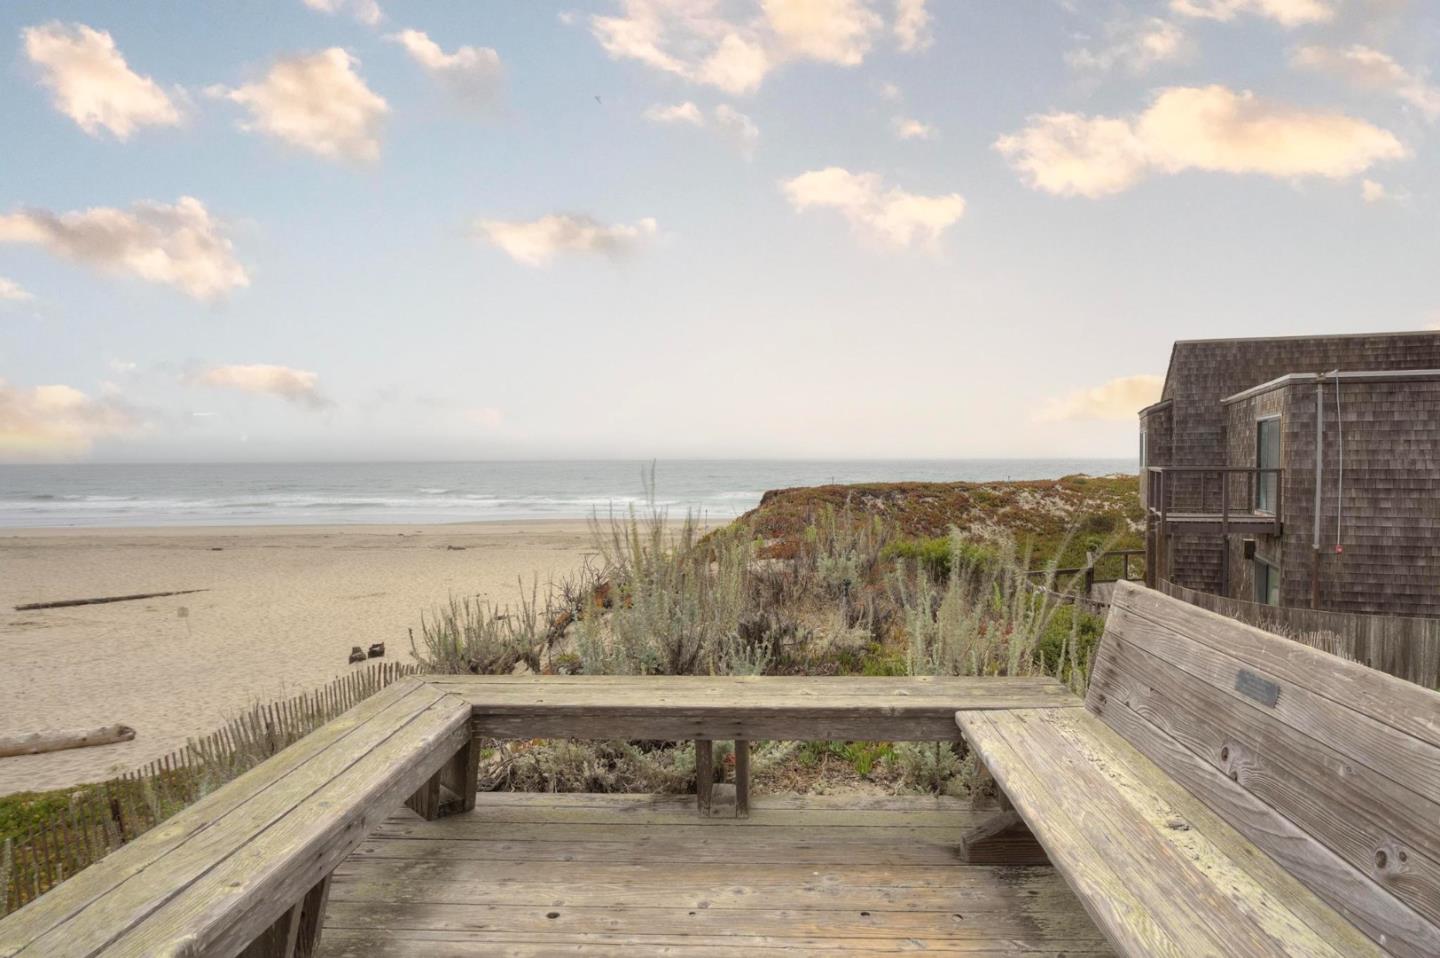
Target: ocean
<point>104,494</point>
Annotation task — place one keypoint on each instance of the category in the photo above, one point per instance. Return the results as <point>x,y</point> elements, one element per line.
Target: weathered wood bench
<point>246,869</point>
<point>1228,792</point>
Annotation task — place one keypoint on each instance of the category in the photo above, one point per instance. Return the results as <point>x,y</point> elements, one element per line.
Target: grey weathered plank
<point>126,868</point>
<point>229,904</point>
<point>1350,808</point>
<point>1190,888</point>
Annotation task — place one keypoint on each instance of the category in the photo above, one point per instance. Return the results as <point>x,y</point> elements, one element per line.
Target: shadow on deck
<point>527,875</point>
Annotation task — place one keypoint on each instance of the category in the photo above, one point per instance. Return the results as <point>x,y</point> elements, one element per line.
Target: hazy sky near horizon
<point>312,229</point>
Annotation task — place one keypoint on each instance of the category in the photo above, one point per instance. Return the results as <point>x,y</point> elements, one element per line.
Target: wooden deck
<point>529,875</point>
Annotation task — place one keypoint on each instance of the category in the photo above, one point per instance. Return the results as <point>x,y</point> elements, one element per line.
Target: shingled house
<point>1298,471</point>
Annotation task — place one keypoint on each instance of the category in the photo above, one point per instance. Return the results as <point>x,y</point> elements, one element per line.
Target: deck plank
<point>853,880</point>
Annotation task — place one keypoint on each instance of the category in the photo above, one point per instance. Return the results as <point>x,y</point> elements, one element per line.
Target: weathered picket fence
<point>102,817</point>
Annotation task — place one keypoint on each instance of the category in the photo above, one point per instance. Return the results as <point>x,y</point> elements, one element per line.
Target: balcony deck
<point>1214,523</point>
<point>640,875</point>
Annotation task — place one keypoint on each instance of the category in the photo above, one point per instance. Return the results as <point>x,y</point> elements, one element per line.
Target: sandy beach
<point>283,605</point>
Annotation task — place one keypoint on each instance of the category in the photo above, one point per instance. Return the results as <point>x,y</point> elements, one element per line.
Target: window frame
<point>1267,486</point>
<point>1268,573</point>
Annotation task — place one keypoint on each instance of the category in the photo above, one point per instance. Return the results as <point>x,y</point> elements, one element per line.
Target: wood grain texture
<point>1184,886</point>
<point>747,886</point>
<point>1330,767</point>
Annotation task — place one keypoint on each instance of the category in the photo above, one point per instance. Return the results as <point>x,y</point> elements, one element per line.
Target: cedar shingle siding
<point>1390,535</point>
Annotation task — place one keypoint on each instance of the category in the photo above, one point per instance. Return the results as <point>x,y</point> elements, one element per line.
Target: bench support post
<point>1002,838</point>
<point>742,778</point>
<point>451,789</point>
<point>704,775</point>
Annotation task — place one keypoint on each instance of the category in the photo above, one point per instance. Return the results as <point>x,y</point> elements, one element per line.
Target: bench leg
<point>277,941</point>
<point>450,790</point>
<point>312,916</point>
<point>704,775</point>
<point>742,778</point>
<point>1002,838</point>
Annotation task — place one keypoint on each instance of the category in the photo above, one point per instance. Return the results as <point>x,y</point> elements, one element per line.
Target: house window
<point>1267,456</point>
<point>1144,452</point>
<point>1267,583</point>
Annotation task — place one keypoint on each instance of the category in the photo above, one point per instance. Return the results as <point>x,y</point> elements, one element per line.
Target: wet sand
<point>284,606</point>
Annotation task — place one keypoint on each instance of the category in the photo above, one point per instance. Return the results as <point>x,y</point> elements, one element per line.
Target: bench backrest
<point>1330,767</point>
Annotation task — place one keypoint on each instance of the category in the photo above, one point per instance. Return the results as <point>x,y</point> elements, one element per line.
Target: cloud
<point>686,112</point>
<point>735,125</point>
<point>367,12</point>
<point>180,245</point>
<point>1134,46</point>
<point>1288,13</point>
<point>536,242</point>
<point>739,127</point>
<point>1373,192</point>
<point>1118,400</point>
<point>486,417</point>
<point>316,102</point>
<point>891,217</point>
<point>912,25</point>
<point>55,421</point>
<point>298,386</point>
<point>698,41</point>
<point>91,82</point>
<point>13,292</point>
<point>471,74</point>
<point>1193,128</point>
<point>907,128</point>
<point>1370,69</point>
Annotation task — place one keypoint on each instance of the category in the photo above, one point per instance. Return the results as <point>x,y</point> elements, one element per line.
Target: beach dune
<point>281,609</point>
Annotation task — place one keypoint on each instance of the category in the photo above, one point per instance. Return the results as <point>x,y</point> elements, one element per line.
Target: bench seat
<point>246,868</point>
<point>1158,872</point>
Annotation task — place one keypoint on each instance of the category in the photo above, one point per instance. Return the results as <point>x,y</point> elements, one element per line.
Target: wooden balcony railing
<point>1231,498</point>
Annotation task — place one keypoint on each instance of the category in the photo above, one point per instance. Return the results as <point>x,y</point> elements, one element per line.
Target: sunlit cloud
<point>537,242</point>
<point>472,75</point>
<point>686,112</point>
<point>316,102</point>
<point>299,386</point>
<point>912,25</point>
<point>735,47</point>
<point>178,245</point>
<point>1371,69</point>
<point>1115,401</point>
<point>1210,129</point>
<point>57,422</point>
<point>91,83</point>
<point>908,128</point>
<point>13,292</point>
<point>367,12</point>
<point>1133,46</point>
<point>1288,13</point>
<point>888,216</point>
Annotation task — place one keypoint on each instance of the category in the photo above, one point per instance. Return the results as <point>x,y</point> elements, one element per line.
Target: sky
<point>357,229</point>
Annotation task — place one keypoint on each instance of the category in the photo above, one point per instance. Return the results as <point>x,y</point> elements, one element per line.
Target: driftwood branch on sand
<point>66,603</point>
<point>51,740</point>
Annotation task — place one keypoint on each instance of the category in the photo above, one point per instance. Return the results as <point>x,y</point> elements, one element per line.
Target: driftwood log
<point>55,740</point>
<point>66,603</point>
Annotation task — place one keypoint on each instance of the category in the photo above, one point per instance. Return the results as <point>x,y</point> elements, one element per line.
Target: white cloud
<point>472,74</point>
<point>891,217</point>
<point>367,12</point>
<point>1118,400</point>
<point>729,121</point>
<point>536,242</point>
<point>1288,13</point>
<point>891,91</point>
<point>91,82</point>
<point>738,127</point>
<point>13,292</point>
<point>1373,192</point>
<point>316,102</point>
<point>828,31</point>
<point>907,128</point>
<point>181,245</point>
<point>55,421</point>
<point>298,386</point>
<point>1370,69</point>
<point>734,46</point>
<point>912,25</point>
<point>1193,128</point>
<point>487,417</point>
<point>686,112</point>
<point>1132,45</point>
